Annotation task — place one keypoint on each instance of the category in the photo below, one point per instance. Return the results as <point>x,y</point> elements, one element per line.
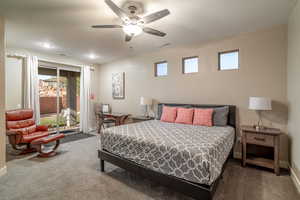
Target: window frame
<point>183,65</point>
<point>155,68</point>
<point>225,52</point>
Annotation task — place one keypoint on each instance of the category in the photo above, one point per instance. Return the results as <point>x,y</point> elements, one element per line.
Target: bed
<point>187,158</point>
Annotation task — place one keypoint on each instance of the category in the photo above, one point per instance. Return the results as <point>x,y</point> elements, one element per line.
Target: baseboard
<point>295,179</point>
<point>3,171</point>
<point>282,163</point>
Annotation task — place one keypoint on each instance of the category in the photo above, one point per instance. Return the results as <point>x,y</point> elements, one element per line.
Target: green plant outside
<point>51,121</point>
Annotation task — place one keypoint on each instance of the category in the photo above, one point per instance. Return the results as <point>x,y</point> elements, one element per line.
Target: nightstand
<point>267,137</point>
<point>137,119</point>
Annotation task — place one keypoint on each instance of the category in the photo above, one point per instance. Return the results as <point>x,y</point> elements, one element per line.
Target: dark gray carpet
<point>12,154</point>
<point>74,175</point>
<point>75,136</point>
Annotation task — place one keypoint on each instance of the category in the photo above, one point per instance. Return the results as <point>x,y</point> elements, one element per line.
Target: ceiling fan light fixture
<point>132,23</point>
<point>132,30</point>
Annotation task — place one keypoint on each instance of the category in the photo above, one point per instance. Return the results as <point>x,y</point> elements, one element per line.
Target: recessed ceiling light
<point>46,45</point>
<point>92,56</point>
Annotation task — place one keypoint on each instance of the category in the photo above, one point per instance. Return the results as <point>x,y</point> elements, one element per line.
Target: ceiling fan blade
<point>118,11</point>
<point>128,37</point>
<point>155,16</point>
<point>154,32</point>
<point>106,26</point>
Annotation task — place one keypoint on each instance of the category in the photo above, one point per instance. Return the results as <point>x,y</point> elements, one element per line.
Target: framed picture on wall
<point>118,85</point>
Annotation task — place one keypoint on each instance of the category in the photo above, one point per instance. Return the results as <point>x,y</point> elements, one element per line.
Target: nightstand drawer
<point>260,139</point>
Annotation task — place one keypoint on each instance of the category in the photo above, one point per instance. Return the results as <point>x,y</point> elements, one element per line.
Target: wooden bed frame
<point>195,190</point>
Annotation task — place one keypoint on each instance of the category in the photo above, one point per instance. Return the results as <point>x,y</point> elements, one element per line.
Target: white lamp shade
<point>260,103</point>
<point>146,101</point>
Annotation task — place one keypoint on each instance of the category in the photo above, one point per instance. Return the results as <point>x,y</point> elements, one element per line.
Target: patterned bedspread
<point>193,153</point>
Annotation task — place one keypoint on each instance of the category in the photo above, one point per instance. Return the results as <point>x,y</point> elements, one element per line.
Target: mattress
<point>193,153</point>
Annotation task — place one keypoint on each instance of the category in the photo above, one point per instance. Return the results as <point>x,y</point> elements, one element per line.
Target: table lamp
<point>260,104</point>
<point>145,101</point>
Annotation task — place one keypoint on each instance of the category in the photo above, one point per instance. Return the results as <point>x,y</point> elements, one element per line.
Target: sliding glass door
<point>59,98</point>
<point>69,109</point>
<point>48,91</point>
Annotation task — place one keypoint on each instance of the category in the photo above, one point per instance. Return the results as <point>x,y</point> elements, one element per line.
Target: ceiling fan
<point>132,24</point>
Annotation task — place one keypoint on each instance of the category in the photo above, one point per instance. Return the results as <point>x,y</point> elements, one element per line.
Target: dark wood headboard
<point>231,114</point>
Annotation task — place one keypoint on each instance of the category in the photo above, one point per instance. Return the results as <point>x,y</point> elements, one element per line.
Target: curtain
<point>85,90</point>
<point>31,86</point>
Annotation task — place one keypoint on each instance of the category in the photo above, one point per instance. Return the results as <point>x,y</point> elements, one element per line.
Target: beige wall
<point>2,98</point>
<point>262,73</point>
<point>294,86</point>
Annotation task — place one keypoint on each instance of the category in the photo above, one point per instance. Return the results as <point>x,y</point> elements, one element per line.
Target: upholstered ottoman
<point>38,144</point>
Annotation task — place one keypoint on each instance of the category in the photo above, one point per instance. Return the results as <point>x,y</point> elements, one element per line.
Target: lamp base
<point>258,127</point>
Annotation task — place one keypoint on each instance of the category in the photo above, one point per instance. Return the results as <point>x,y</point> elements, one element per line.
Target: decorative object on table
<point>147,102</point>
<point>260,104</point>
<point>105,108</point>
<point>118,82</point>
<point>262,138</point>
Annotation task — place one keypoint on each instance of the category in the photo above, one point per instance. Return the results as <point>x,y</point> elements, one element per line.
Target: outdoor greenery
<point>51,121</point>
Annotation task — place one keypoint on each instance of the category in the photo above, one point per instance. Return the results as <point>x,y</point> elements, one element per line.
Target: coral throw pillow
<point>203,117</point>
<point>168,114</point>
<point>184,116</point>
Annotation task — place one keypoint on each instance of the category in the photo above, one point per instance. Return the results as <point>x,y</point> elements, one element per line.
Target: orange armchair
<point>22,130</point>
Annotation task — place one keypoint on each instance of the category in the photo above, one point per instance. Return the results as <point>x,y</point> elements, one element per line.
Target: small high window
<point>229,60</point>
<point>161,68</point>
<point>190,65</point>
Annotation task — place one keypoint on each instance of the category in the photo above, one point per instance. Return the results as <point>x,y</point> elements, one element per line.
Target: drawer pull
<point>260,139</point>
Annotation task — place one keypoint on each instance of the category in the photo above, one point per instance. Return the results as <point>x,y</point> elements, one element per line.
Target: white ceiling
<point>66,24</point>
